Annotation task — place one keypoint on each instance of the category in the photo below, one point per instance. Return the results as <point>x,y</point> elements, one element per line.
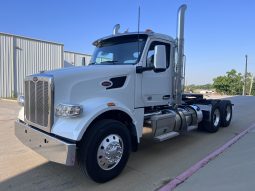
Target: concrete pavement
<point>233,170</point>
<point>150,168</point>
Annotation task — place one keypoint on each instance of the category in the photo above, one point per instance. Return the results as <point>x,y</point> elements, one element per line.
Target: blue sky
<point>218,33</point>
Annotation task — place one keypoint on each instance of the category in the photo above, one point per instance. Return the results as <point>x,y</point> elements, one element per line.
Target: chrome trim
<point>180,55</point>
<point>228,110</point>
<point>44,78</point>
<point>198,112</point>
<point>216,117</point>
<point>116,29</point>
<point>110,152</point>
<point>48,146</point>
<point>148,115</point>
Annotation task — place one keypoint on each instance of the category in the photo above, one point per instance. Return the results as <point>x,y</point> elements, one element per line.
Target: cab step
<point>166,136</point>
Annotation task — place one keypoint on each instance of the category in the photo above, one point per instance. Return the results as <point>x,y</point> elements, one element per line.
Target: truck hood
<point>76,84</point>
<point>90,72</point>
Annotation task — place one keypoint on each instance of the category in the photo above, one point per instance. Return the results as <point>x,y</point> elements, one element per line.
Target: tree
<point>230,84</point>
<point>253,88</point>
<point>194,87</point>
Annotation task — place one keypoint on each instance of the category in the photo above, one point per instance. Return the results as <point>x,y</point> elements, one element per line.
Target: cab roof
<point>149,34</point>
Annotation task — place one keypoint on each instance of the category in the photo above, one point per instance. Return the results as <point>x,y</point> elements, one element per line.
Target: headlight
<point>21,100</point>
<point>66,110</point>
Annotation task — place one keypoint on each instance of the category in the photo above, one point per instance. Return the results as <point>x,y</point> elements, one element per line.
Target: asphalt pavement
<point>154,165</point>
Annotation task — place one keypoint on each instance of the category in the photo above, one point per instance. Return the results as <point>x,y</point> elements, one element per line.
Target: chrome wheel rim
<point>216,117</point>
<point>228,110</point>
<point>110,152</point>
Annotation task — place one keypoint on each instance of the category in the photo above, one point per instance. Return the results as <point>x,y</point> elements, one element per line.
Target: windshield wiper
<point>109,61</point>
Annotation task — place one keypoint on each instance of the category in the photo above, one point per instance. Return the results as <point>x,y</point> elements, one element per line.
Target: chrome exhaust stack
<point>180,54</point>
<point>116,29</point>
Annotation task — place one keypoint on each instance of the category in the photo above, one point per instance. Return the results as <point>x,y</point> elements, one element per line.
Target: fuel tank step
<point>166,136</point>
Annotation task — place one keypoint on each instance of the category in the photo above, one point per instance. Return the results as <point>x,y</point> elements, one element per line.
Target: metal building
<point>76,59</point>
<point>22,56</point>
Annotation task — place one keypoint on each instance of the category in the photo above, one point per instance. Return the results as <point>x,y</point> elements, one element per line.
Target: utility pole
<point>245,75</point>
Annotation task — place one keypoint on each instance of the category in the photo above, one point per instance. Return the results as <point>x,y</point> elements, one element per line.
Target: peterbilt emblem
<point>35,79</point>
<point>106,83</point>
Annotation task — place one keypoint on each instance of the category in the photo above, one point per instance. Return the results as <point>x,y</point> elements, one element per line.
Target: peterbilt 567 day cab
<point>95,114</point>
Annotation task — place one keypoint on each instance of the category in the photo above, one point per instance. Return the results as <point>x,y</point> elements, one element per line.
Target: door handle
<point>165,97</point>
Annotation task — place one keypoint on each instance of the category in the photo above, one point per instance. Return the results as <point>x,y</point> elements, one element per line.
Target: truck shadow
<point>48,176</point>
<point>141,167</point>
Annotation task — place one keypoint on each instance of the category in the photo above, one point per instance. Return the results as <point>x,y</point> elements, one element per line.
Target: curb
<point>190,171</point>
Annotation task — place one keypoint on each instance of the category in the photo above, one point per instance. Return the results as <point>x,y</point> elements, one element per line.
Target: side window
<point>151,52</point>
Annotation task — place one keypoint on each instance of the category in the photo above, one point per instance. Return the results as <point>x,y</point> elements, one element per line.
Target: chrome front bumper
<point>49,147</point>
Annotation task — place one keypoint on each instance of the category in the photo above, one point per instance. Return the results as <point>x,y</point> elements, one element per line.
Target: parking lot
<point>151,167</point>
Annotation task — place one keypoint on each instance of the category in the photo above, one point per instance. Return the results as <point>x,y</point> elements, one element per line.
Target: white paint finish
<point>74,128</point>
<point>155,85</point>
<point>21,115</point>
<point>80,85</point>
<point>138,115</point>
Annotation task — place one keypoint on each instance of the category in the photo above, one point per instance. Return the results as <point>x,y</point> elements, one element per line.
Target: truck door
<point>156,86</point>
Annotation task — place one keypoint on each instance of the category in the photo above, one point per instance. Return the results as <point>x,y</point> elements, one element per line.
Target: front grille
<point>38,102</point>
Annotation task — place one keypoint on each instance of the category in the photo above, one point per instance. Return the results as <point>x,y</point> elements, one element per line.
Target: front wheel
<point>105,150</point>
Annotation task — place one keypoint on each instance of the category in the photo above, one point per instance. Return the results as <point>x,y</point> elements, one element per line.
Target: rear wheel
<point>213,124</point>
<point>105,150</point>
<point>226,113</point>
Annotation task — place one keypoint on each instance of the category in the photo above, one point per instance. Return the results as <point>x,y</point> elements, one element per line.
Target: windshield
<point>119,50</point>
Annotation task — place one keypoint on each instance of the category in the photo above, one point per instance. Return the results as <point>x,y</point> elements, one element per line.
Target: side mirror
<point>160,58</point>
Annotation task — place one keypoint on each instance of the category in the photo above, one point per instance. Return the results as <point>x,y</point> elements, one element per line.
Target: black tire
<point>226,113</point>
<point>213,124</point>
<point>201,126</point>
<point>91,144</point>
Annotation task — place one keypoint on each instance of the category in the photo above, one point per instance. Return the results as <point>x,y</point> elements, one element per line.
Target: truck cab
<point>138,50</point>
<point>95,114</point>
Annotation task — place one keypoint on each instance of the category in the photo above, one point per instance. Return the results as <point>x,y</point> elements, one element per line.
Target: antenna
<point>138,27</point>
<point>139,19</point>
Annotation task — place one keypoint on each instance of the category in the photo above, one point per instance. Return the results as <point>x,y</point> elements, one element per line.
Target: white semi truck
<point>94,115</point>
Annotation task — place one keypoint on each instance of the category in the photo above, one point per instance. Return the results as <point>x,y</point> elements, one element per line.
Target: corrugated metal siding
<point>6,66</point>
<point>75,59</point>
<point>35,56</point>
<point>20,56</point>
